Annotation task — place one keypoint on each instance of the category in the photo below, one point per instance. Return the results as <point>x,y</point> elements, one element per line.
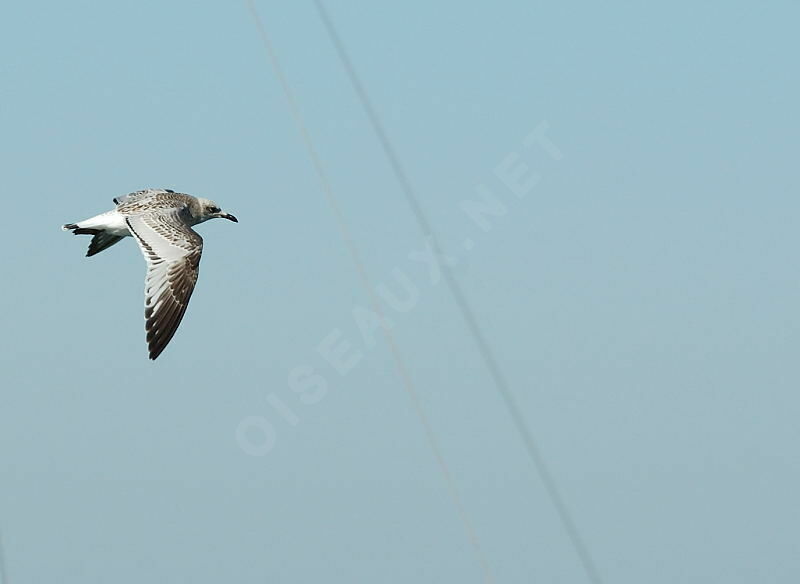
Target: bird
<point>161,221</point>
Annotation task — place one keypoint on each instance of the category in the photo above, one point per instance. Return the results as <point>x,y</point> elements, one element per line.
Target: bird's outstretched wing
<point>172,250</point>
<point>142,195</point>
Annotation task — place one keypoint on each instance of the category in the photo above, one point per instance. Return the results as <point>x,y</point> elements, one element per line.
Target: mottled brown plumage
<point>161,222</point>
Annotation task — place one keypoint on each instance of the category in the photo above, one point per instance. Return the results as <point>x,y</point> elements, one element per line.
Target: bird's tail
<point>101,241</point>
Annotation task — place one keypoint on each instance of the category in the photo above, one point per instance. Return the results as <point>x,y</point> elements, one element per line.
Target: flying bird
<point>161,221</point>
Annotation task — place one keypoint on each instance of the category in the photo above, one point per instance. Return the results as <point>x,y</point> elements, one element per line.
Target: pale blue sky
<point>641,300</point>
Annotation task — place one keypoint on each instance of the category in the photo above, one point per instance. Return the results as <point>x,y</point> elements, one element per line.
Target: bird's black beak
<point>229,217</point>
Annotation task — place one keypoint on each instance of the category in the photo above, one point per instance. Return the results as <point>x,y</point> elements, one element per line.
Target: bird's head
<point>210,210</point>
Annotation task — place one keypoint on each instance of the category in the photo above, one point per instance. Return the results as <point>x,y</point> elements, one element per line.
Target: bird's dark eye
<point>213,209</point>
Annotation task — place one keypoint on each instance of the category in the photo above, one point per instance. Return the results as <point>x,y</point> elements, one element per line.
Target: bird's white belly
<point>111,222</point>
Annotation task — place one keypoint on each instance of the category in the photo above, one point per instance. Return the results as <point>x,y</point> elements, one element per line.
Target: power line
<point>464,307</point>
<point>345,232</point>
<point>3,573</point>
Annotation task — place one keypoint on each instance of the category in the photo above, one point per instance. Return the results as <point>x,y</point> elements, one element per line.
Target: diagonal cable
<point>468,314</point>
<point>400,364</point>
<point>3,573</point>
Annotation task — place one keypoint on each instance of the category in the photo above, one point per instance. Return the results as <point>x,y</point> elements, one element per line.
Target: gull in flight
<point>161,221</point>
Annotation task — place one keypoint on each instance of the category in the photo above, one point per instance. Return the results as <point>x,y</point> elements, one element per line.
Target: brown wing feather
<point>163,314</point>
<point>172,250</point>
